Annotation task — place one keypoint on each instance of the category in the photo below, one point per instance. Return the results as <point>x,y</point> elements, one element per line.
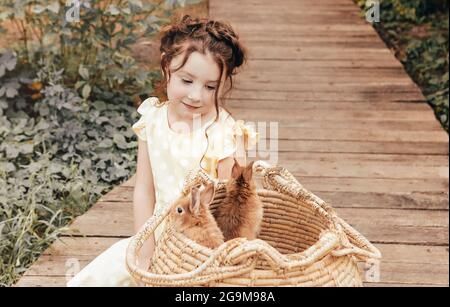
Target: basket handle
<point>283,181</point>
<point>356,244</point>
<point>260,248</point>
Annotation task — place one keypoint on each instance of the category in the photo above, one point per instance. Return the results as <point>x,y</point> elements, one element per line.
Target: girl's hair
<point>201,34</point>
<point>187,35</point>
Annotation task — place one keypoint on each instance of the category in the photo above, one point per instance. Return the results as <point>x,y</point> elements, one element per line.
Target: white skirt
<point>107,270</point>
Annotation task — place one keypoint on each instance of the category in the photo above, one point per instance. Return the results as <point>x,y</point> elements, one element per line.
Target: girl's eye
<point>211,88</point>
<point>186,81</point>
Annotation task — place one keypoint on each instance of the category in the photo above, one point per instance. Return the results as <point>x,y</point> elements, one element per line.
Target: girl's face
<point>192,88</point>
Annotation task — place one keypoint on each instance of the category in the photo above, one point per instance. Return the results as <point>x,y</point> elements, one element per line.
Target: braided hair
<point>189,34</point>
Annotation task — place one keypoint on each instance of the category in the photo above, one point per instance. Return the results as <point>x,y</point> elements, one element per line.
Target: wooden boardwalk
<point>353,128</point>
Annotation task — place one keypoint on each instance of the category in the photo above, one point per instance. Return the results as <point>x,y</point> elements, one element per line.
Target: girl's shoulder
<point>236,127</point>
<point>225,120</point>
<point>230,131</point>
<point>150,105</point>
<point>150,110</point>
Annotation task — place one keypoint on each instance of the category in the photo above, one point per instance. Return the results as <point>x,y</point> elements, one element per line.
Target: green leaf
<point>11,92</point>
<point>79,84</point>
<point>86,91</point>
<point>106,143</point>
<point>84,72</point>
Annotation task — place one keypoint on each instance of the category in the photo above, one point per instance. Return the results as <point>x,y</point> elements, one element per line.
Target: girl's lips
<point>190,107</point>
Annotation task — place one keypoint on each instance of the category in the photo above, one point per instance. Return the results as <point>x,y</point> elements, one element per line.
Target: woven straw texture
<point>302,243</point>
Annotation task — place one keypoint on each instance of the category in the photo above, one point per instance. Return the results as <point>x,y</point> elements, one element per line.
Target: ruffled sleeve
<point>231,138</point>
<point>246,134</point>
<point>145,110</point>
<point>236,136</point>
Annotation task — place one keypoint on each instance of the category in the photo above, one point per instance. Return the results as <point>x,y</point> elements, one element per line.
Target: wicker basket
<point>302,243</point>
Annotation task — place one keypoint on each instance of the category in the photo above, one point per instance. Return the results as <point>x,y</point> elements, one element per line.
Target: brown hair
<point>187,35</point>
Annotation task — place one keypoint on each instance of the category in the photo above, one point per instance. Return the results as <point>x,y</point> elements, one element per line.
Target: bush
<point>56,159</point>
<point>418,32</point>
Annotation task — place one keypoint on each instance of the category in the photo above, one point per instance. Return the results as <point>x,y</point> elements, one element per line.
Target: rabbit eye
<point>180,210</point>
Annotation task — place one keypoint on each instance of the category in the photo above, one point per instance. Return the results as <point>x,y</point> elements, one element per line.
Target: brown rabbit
<point>241,212</point>
<point>192,217</point>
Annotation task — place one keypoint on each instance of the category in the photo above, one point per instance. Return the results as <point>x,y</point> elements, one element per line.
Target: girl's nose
<point>195,95</point>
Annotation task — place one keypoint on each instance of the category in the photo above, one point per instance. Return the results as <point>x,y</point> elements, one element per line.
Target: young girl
<point>187,132</point>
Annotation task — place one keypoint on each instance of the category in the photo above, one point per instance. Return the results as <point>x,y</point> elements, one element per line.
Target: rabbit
<point>241,212</point>
<point>192,217</point>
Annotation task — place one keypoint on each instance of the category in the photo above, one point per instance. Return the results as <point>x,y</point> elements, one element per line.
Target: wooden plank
<point>287,52</point>
<point>427,274</point>
<point>347,199</point>
<point>316,40</point>
<point>364,94</point>
<point>330,79</point>
<point>263,73</point>
<point>296,133</point>
<point>293,66</point>
<point>317,184</point>
<point>380,159</point>
<point>42,281</point>
<point>111,219</point>
<point>399,226</point>
<point>357,123</point>
<point>236,104</point>
<point>361,166</point>
<point>397,285</point>
<point>289,115</point>
<point>58,266</point>
<point>87,247</point>
<point>415,200</point>
<point>327,86</point>
<point>362,169</point>
<point>368,147</point>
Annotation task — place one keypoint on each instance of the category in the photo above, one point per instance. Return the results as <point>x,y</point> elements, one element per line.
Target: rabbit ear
<point>207,195</point>
<point>236,171</point>
<point>194,204</point>
<point>248,172</point>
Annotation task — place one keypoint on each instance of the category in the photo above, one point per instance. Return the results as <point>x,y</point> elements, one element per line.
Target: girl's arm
<point>144,201</point>
<point>225,167</point>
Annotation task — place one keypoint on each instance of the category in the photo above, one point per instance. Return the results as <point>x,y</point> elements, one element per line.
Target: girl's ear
<point>207,195</point>
<point>236,171</point>
<point>194,205</point>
